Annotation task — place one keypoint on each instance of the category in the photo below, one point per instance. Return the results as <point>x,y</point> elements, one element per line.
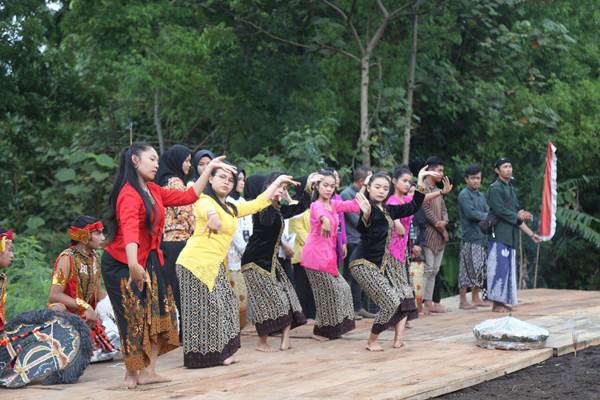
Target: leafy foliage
<point>493,78</point>
<point>29,277</point>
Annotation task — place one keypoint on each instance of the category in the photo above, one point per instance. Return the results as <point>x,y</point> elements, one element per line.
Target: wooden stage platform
<point>440,357</point>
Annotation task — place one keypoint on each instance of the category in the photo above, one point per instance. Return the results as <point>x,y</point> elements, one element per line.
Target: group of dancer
<point>165,269</point>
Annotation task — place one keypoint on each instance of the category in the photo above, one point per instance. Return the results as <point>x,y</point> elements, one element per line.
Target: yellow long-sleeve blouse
<point>300,225</point>
<point>203,255</point>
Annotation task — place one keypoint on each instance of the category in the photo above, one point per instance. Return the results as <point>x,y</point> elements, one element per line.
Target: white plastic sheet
<point>509,333</point>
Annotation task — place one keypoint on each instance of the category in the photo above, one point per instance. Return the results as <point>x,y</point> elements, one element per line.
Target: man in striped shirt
<point>436,235</point>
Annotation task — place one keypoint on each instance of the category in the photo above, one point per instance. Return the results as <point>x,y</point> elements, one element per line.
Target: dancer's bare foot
<point>265,348</point>
<point>285,343</point>
<point>285,346</point>
<point>229,361</point>
<point>438,308</point>
<point>398,343</point>
<point>374,346</point>
<point>285,339</point>
<point>467,306</point>
<point>130,382</point>
<point>481,303</point>
<point>320,338</point>
<point>500,308</point>
<point>149,377</point>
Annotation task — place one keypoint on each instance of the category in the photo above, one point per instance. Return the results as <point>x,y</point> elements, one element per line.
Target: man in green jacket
<point>472,209</point>
<point>501,262</point>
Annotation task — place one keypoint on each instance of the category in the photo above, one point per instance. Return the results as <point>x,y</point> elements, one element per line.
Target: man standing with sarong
<point>502,260</point>
<point>472,209</point>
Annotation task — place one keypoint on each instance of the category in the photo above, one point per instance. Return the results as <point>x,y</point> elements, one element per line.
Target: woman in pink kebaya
<point>333,299</point>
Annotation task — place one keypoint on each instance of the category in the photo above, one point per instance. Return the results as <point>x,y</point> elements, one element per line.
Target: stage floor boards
<point>439,357</point>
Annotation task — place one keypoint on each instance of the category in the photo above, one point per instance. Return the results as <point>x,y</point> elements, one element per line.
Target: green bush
<point>29,277</point>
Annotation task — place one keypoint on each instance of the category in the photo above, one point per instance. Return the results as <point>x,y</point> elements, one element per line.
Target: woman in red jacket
<point>132,261</point>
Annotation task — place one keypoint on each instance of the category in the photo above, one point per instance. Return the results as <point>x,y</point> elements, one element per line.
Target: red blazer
<point>131,220</point>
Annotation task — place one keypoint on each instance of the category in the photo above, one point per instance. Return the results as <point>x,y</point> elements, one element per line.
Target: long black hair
<point>229,207</point>
<point>128,174</point>
<point>234,193</point>
<point>324,172</point>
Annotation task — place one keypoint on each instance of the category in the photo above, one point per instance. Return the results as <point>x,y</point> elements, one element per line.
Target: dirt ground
<point>566,377</point>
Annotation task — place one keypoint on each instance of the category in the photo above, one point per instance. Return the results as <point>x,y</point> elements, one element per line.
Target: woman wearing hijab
<point>173,166</point>
<point>274,303</point>
<point>199,161</point>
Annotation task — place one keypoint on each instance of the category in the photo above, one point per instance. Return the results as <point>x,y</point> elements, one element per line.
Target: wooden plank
<point>439,357</point>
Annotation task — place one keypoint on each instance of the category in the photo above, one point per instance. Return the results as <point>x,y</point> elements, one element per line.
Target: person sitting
<point>42,345</point>
<point>76,283</point>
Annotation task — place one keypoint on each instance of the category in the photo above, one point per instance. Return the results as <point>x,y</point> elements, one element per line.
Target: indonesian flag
<point>548,219</point>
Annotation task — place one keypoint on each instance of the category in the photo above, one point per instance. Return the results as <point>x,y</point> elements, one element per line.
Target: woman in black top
<point>272,300</point>
<point>377,271</point>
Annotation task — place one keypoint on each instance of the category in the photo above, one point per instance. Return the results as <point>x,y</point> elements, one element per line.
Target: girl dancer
<point>132,261</point>
<point>333,300</point>
<point>379,273</point>
<point>274,303</point>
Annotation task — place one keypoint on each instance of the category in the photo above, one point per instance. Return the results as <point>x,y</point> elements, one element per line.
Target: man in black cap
<point>502,260</point>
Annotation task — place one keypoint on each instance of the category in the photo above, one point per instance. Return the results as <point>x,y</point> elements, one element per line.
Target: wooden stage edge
<point>440,357</point>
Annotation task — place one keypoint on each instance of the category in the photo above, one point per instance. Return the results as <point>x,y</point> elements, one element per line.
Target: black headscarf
<point>170,164</point>
<point>254,186</point>
<point>196,159</point>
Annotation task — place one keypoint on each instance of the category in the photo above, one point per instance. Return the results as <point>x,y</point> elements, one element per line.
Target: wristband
<point>82,304</point>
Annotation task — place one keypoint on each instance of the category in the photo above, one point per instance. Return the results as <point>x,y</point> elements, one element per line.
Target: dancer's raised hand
<point>364,204</point>
<point>423,173</point>
<point>219,162</point>
<point>447,185</point>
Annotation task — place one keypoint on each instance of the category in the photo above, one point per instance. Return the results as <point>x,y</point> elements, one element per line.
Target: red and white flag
<point>548,218</point>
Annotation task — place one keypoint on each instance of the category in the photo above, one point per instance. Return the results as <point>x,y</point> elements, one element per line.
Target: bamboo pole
<point>537,261</point>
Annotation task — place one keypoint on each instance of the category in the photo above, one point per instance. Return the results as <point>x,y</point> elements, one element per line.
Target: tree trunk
<point>410,92</point>
<point>157,124</point>
<point>364,110</point>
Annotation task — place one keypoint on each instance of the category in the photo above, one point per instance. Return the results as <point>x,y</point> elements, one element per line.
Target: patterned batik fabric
<point>473,257</point>
<point>44,346</point>
<point>502,274</point>
<point>272,298</point>
<point>81,282</point>
<point>390,289</point>
<point>145,318</point>
<point>389,286</point>
<point>210,320</point>
<point>333,300</point>
<point>82,279</point>
<point>179,221</point>
<point>416,276</point>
